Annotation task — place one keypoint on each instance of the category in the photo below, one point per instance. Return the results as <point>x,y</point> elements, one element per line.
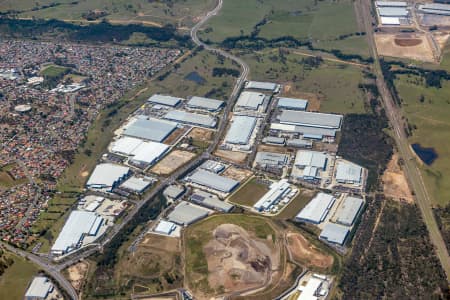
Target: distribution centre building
<point>314,133</point>
<point>348,173</point>
<point>271,159</point>
<point>349,210</point>
<point>317,209</point>
<point>205,103</point>
<point>241,130</point>
<point>310,119</point>
<point>277,191</point>
<point>107,176</point>
<point>292,103</point>
<point>165,227</point>
<point>334,233</point>
<point>78,225</point>
<point>191,118</point>
<point>210,201</point>
<point>140,152</point>
<point>213,181</point>
<point>400,12</point>
<point>165,100</point>
<point>187,213</point>
<point>150,129</point>
<point>250,100</point>
<point>265,86</point>
<point>390,4</point>
<point>39,289</point>
<point>435,9</point>
<point>136,184</point>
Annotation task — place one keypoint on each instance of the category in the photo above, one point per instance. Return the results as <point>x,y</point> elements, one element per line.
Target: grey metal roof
<point>165,100</point>
<point>292,103</point>
<point>205,103</point>
<point>136,184</point>
<point>149,129</point>
<point>435,8</point>
<point>259,85</point>
<point>250,100</point>
<point>311,119</point>
<point>304,129</point>
<point>392,12</point>
<point>311,158</point>
<point>334,233</point>
<point>348,210</point>
<point>348,172</point>
<point>165,227</point>
<point>276,192</point>
<point>211,201</point>
<point>317,209</point>
<point>186,213</point>
<point>299,143</point>
<point>39,288</point>
<point>390,4</point>
<point>173,191</point>
<point>273,140</point>
<point>213,181</point>
<point>271,158</point>
<point>191,118</point>
<point>240,130</point>
<point>107,175</point>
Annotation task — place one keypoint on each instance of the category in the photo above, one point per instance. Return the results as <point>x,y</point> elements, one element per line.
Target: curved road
<point>54,268</point>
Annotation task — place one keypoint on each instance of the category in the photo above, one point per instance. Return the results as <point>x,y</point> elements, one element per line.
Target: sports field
<point>156,13</point>
<point>428,115</point>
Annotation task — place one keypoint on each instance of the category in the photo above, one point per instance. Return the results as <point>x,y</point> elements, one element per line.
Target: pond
<point>427,155</point>
<point>197,78</point>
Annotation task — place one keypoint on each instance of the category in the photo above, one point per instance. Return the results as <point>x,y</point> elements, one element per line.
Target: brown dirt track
<point>407,42</point>
<point>411,46</point>
<point>395,185</point>
<point>307,254</point>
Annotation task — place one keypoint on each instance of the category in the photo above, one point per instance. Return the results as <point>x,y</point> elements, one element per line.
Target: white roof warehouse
<point>213,181</point>
<point>240,130</point>
<point>107,176</point>
<point>311,119</point>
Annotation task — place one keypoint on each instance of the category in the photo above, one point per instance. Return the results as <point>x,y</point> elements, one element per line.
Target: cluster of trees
<point>396,261</point>
<point>5,262</point>
<point>219,72</point>
<point>442,215</point>
<point>365,142</point>
<point>101,32</point>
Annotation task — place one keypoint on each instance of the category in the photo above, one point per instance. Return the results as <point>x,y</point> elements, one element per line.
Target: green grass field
<point>178,12</point>
<point>336,84</point>
<point>54,71</point>
<point>431,119</point>
<point>322,22</point>
<point>14,282</point>
<point>249,194</point>
<point>297,204</point>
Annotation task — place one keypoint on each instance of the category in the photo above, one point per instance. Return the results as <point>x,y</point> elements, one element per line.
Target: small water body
<point>197,78</point>
<point>427,155</point>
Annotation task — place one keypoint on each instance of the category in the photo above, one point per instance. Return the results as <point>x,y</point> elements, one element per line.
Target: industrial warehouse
<point>150,129</point>
<point>277,192</point>
<point>191,118</point>
<point>107,176</point>
<point>212,181</point>
<point>250,101</point>
<point>310,119</point>
<point>317,209</point>
<point>292,103</point>
<point>264,86</point>
<point>187,213</point>
<point>165,100</point>
<point>203,103</point>
<point>241,130</point>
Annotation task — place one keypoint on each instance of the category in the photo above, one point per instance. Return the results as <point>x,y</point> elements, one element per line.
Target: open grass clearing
<point>297,204</point>
<point>54,71</point>
<point>428,115</point>
<point>15,280</point>
<point>249,193</point>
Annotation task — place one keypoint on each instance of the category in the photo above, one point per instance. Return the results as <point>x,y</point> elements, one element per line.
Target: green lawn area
<point>318,21</point>
<point>6,180</point>
<point>161,12</point>
<point>335,83</point>
<point>54,71</point>
<point>297,204</point>
<point>431,120</point>
<point>250,193</point>
<point>14,282</point>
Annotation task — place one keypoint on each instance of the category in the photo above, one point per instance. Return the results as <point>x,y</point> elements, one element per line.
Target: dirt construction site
<point>237,262</point>
<point>395,185</point>
<point>305,253</point>
<point>414,46</point>
<point>172,162</point>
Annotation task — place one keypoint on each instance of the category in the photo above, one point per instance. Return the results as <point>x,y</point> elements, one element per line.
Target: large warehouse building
<point>250,100</point>
<point>349,210</point>
<point>241,130</point>
<point>187,213</point>
<point>277,191</point>
<point>317,209</point>
<point>140,153</point>
<point>150,129</point>
<point>435,9</point>
<point>78,225</point>
<point>310,163</point>
<point>312,133</point>
<point>165,100</point>
<point>213,181</point>
<point>107,176</point>
<point>334,233</point>
<point>348,173</point>
<point>39,289</point>
<point>264,86</point>
<point>205,103</point>
<point>191,118</point>
<point>210,201</point>
<point>310,119</point>
<point>292,103</point>
<point>271,160</point>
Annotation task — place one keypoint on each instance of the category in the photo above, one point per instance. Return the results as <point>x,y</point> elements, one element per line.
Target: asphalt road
<point>410,167</point>
<point>54,268</point>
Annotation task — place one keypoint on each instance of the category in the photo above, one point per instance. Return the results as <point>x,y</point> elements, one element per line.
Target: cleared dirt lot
<point>77,274</point>
<point>201,134</point>
<point>233,156</point>
<point>395,185</point>
<point>412,46</point>
<point>307,254</point>
<point>172,162</point>
<point>237,174</point>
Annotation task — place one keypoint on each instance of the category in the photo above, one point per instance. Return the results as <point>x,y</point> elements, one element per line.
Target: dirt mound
<point>404,42</point>
<point>238,261</point>
<point>395,184</point>
<point>305,253</point>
